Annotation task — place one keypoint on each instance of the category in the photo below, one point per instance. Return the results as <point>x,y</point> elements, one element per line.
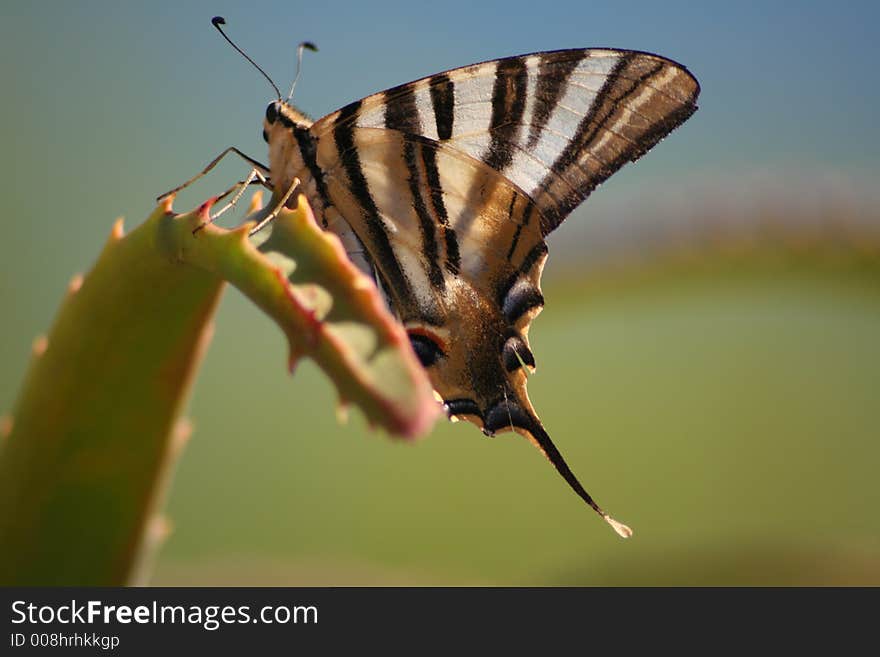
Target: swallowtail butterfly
<point>445,188</point>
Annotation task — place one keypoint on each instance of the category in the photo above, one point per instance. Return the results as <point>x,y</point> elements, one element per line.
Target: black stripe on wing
<point>348,155</point>
<point>309,151</point>
<point>401,112</point>
<point>442,91</point>
<point>426,221</point>
<point>508,107</point>
<point>527,217</point>
<point>453,254</point>
<point>553,74</point>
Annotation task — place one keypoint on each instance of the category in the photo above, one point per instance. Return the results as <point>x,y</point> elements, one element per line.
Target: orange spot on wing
<point>433,337</point>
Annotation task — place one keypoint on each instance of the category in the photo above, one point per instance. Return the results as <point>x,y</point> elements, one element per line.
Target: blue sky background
<point>783,84</point>
<point>111,103</point>
<point>97,83</point>
<point>107,104</point>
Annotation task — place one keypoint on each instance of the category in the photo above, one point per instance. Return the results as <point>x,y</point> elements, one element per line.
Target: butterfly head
<point>280,116</point>
<point>283,128</point>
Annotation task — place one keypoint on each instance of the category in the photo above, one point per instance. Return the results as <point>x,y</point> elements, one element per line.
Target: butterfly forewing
<point>556,124</point>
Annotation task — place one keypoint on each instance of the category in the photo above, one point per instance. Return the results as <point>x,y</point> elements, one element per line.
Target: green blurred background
<point>708,359</point>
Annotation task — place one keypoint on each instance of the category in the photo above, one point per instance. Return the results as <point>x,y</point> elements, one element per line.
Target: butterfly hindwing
<point>433,219</point>
<point>460,250</point>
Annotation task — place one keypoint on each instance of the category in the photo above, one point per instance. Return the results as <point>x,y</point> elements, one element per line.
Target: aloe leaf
<point>96,428</point>
<point>91,433</point>
<point>329,310</point>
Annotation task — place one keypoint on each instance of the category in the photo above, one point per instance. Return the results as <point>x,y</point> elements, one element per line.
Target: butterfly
<point>445,188</point>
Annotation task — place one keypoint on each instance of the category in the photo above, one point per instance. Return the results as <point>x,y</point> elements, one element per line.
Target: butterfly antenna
<point>305,45</point>
<point>217,21</point>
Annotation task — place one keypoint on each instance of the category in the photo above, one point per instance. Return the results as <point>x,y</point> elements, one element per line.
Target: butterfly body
<point>445,188</point>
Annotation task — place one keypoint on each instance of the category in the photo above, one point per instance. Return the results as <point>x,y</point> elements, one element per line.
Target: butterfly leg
<point>281,203</point>
<point>254,178</point>
<point>213,163</point>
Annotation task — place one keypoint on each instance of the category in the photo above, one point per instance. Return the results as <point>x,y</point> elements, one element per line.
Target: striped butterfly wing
<point>459,250</point>
<point>556,124</point>
<point>451,184</point>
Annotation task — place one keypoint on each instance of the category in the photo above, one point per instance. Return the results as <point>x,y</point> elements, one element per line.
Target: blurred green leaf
<point>92,434</point>
<point>92,431</point>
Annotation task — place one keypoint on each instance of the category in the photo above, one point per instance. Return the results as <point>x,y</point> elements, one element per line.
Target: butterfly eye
<point>426,348</point>
<point>272,112</point>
